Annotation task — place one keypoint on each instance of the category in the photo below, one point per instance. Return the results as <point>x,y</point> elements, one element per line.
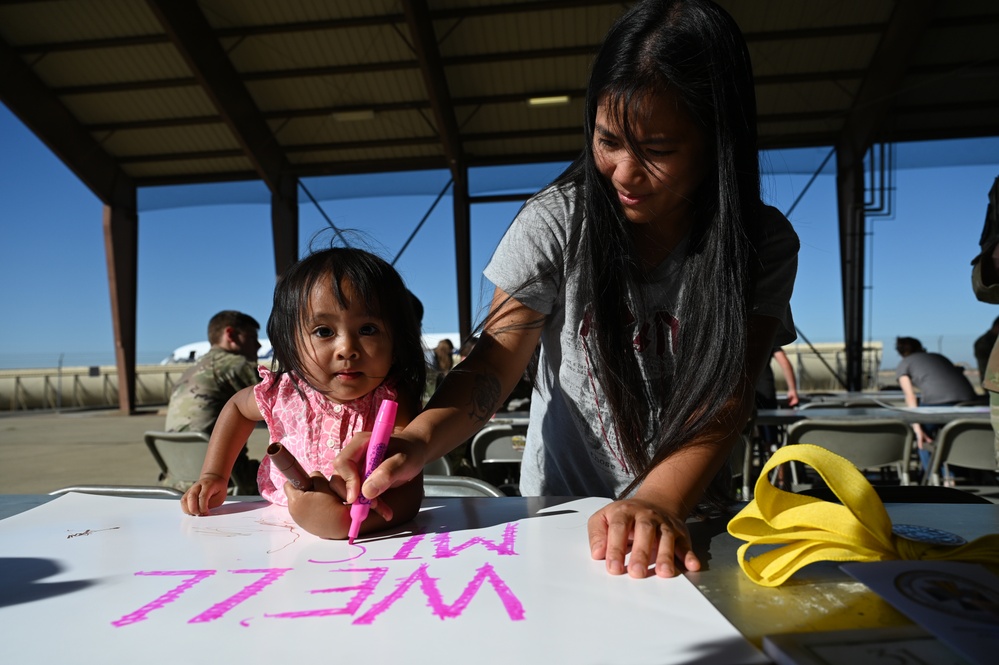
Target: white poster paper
<point>108,579</point>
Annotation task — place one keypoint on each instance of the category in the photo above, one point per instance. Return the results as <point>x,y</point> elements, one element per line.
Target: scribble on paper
<point>361,551</point>
<point>282,524</point>
<point>90,531</point>
<point>250,529</point>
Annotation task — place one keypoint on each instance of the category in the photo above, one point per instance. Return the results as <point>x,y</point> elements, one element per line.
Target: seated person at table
<point>199,395</point>
<point>345,338</point>
<point>940,383</point>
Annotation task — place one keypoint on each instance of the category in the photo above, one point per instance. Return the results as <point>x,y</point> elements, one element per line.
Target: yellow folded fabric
<point>810,529</point>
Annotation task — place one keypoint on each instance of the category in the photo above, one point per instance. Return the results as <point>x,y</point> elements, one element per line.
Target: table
<point>122,579</point>
<point>920,414</point>
<point>820,597</point>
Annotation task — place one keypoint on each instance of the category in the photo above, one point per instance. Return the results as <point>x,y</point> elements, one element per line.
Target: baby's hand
<point>318,510</point>
<point>321,511</point>
<point>209,492</point>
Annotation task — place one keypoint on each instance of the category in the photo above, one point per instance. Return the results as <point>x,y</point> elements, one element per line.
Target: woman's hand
<point>649,533</point>
<point>209,492</point>
<point>922,438</point>
<point>404,460</point>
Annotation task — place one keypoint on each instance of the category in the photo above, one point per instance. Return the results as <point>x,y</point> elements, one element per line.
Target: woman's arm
<point>652,524</point>
<point>232,429</point>
<point>909,391</point>
<point>789,378</point>
<point>467,398</point>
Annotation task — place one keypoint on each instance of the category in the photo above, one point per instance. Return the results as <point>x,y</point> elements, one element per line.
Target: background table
<point>922,414</point>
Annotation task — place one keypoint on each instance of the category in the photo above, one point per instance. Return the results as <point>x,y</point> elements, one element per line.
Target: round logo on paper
<point>950,594</point>
<point>928,535</point>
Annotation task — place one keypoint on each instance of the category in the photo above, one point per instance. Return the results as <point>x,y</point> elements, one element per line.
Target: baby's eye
<point>322,331</point>
<point>369,329</point>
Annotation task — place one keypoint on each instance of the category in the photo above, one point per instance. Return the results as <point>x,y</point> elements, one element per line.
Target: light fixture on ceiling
<point>554,100</point>
<point>353,116</point>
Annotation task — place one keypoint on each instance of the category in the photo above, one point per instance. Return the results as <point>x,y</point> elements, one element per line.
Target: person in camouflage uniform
<point>201,392</point>
<point>985,281</point>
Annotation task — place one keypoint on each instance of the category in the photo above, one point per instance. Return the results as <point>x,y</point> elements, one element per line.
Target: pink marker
<point>377,444</point>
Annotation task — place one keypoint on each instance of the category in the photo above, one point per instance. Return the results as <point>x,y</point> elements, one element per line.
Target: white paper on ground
<point>103,579</point>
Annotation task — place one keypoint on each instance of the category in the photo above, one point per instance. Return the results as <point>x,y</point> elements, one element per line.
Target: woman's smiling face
<point>661,190</point>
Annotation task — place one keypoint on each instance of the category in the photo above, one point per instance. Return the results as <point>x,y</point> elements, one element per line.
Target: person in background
<point>658,284</point>
<point>203,390</point>
<point>443,360</point>
<point>768,438</point>
<point>345,339</point>
<point>985,282</point>
<point>940,383</point>
<point>983,349</point>
<point>766,387</point>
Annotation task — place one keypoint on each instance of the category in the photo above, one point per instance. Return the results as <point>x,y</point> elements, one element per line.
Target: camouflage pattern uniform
<point>198,398</point>
<point>990,381</point>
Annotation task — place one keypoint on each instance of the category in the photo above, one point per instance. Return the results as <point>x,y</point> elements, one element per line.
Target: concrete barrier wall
<point>76,387</point>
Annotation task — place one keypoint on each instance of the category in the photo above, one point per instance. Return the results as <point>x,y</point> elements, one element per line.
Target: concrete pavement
<point>44,451</point>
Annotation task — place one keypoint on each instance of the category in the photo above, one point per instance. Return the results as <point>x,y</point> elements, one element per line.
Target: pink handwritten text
<point>365,584</point>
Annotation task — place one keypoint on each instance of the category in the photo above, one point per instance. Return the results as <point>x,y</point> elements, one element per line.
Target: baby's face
<point>346,353</point>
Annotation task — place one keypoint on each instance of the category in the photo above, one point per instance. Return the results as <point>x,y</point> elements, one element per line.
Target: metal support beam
<point>195,40</point>
<point>121,247</point>
<point>850,197</point>
<point>284,225</point>
<point>41,111</point>
<point>198,44</point>
<point>862,128</point>
<point>462,250</point>
<point>421,30</point>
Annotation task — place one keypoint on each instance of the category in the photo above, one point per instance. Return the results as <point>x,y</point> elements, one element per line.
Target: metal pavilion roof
<point>177,91</point>
<point>138,93</point>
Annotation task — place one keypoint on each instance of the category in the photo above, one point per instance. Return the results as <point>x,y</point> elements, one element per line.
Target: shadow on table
<point>21,581</point>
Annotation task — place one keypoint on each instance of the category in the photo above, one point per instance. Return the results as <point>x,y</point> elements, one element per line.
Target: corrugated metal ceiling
<point>144,95</point>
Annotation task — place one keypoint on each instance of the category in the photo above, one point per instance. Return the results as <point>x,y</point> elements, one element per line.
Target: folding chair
<point>969,444</point>
<point>180,456</point>
<point>439,467</point>
<point>458,486</point>
<point>497,451</point>
<point>741,463</point>
<point>868,443</point>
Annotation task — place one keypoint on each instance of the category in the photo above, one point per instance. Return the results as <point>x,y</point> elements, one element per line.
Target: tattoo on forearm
<point>485,397</point>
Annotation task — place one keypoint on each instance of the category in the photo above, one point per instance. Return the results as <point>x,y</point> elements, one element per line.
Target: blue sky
<point>194,261</point>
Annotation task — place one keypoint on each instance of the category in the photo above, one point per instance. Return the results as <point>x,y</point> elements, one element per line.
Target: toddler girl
<point>345,338</point>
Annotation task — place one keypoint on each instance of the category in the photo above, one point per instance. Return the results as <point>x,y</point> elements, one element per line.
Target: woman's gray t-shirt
<point>572,448</point>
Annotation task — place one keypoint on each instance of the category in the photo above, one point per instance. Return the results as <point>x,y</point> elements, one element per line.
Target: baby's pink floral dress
<point>312,428</point>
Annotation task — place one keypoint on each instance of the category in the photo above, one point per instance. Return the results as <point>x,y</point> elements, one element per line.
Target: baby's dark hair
<point>379,287</point>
